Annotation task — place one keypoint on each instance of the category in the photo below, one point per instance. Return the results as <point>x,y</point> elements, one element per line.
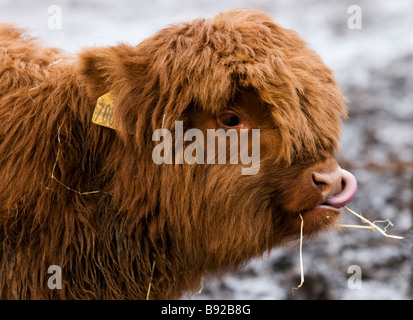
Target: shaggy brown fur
<point>188,220</point>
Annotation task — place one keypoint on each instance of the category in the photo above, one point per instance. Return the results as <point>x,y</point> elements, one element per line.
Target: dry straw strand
<point>150,282</point>
<point>372,225</point>
<point>201,288</point>
<point>56,62</point>
<point>301,256</point>
<point>61,183</point>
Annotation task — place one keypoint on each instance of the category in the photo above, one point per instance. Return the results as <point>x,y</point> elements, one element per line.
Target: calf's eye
<point>229,119</point>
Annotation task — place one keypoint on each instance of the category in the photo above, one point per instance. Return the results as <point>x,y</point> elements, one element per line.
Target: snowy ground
<point>374,67</point>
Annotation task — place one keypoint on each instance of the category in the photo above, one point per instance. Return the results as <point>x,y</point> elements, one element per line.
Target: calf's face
<point>266,206</point>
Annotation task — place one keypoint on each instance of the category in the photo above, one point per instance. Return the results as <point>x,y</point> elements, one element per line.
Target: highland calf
<point>91,200</point>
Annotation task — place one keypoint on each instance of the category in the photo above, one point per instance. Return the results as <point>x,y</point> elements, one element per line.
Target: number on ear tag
<point>103,114</point>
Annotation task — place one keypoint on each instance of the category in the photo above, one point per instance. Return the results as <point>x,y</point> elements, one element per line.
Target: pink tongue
<point>346,194</point>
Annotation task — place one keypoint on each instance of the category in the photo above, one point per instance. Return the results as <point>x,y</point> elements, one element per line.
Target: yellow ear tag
<point>103,114</point>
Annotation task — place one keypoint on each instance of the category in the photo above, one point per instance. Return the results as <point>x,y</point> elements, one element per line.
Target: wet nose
<point>328,183</point>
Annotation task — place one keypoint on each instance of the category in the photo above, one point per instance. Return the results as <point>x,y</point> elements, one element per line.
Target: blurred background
<point>373,63</point>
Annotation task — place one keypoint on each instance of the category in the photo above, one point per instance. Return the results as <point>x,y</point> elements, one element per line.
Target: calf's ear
<point>106,69</point>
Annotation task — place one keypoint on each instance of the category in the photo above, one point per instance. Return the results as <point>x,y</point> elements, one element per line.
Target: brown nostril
<point>321,179</point>
<point>327,184</point>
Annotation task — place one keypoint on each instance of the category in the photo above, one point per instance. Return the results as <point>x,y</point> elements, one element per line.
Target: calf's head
<point>238,70</point>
